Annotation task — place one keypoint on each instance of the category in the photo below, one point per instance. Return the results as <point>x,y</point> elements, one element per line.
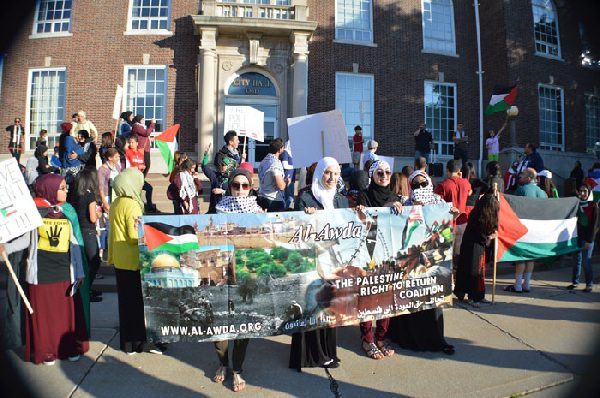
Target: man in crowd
<point>271,179</point>
<point>357,146</point>
<point>421,163</point>
<point>532,159</point>
<point>230,149</point>
<point>524,270</point>
<point>84,124</point>
<point>461,141</point>
<point>455,189</point>
<point>15,140</point>
<point>423,142</point>
<point>372,146</point>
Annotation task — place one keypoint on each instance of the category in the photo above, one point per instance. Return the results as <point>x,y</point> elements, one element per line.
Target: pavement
<point>539,344</point>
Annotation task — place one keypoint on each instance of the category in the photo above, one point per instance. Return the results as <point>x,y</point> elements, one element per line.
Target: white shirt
<point>492,145</point>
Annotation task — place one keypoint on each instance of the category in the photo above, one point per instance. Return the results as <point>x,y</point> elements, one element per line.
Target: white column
<point>207,89</point>
<point>299,95</point>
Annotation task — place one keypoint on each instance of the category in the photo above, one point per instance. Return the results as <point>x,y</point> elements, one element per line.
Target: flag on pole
<point>534,228</point>
<point>503,97</point>
<point>177,240</point>
<point>167,144</point>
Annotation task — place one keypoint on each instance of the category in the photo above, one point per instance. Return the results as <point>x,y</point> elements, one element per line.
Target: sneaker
<point>156,351</point>
<point>572,287</point>
<point>511,288</point>
<point>49,363</point>
<point>588,289</point>
<point>74,358</point>
<point>131,353</point>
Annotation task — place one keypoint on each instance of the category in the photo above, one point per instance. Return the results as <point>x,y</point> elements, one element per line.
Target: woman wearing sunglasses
<point>423,330</point>
<point>378,194</point>
<point>318,348</point>
<point>237,199</point>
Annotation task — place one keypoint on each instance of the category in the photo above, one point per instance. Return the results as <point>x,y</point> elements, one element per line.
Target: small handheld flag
<point>166,143</point>
<point>503,97</point>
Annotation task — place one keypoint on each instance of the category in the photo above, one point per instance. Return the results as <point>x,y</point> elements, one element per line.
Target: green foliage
<point>298,263</point>
<point>281,253</point>
<point>276,263</point>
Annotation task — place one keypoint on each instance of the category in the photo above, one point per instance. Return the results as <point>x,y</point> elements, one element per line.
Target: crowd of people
<point>88,211</point>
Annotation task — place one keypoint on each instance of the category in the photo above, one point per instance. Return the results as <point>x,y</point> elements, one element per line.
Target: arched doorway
<point>258,91</point>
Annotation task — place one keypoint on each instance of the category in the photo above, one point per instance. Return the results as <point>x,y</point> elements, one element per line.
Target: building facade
<point>387,64</point>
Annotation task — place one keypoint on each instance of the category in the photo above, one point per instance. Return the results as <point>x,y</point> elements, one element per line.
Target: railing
<point>296,9</point>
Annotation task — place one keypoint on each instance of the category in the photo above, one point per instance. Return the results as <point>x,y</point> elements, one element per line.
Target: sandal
<point>238,383</point>
<point>372,351</point>
<point>220,374</point>
<point>385,349</point>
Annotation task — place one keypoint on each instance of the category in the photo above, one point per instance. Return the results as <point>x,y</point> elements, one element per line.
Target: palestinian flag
<point>503,97</point>
<point>176,240</point>
<point>593,180</point>
<point>534,228</point>
<point>167,144</point>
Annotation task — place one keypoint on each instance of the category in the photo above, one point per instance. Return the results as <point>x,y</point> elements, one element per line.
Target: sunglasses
<point>417,185</point>
<point>382,173</point>
<point>238,186</point>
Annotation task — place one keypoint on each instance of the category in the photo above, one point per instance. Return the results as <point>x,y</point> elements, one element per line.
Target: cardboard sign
<point>18,213</point>
<point>312,137</point>
<point>117,104</point>
<point>246,120</point>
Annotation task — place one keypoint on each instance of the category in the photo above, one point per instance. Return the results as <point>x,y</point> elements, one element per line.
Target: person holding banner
<point>318,348</point>
<point>57,327</point>
<point>378,194</point>
<point>422,330</point>
<point>236,200</point>
<point>124,255</point>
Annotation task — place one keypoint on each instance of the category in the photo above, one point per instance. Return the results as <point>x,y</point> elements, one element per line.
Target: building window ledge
<point>148,32</point>
<point>50,35</point>
<point>554,57</point>
<point>427,51</point>
<point>356,43</point>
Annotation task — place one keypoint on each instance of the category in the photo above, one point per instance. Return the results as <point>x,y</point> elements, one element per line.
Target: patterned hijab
<point>129,183</point>
<point>424,195</point>
<point>379,195</point>
<point>323,195</point>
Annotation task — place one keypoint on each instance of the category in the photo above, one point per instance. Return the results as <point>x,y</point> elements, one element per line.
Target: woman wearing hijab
<point>57,327</point>
<point>124,255</point>
<point>481,229</point>
<point>423,330</point>
<point>236,200</point>
<point>378,194</point>
<point>318,347</point>
<point>143,135</point>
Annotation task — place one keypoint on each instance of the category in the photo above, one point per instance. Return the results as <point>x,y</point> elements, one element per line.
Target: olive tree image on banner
<point>227,276</point>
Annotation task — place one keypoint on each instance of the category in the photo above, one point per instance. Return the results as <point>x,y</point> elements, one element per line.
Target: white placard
<point>18,213</point>
<point>246,121</point>
<point>389,159</point>
<point>315,136</point>
<point>117,104</point>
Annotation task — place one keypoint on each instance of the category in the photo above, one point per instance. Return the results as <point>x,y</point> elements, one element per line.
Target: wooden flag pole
<point>495,250</point>
<point>15,280</point>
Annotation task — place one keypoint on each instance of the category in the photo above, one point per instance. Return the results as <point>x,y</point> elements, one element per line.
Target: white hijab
<point>323,195</point>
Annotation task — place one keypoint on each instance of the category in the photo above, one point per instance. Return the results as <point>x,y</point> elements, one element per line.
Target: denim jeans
<point>585,257</point>
<point>418,154</point>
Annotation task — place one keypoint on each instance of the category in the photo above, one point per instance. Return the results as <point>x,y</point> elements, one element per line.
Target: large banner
<point>227,276</point>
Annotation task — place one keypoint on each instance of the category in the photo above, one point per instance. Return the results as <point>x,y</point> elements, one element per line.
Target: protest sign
<point>227,276</point>
<point>315,136</point>
<point>18,213</point>
<point>117,103</point>
<point>246,121</point>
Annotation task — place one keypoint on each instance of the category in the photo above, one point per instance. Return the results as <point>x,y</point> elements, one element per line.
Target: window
<point>150,15</point>
<point>550,104</point>
<point>146,93</point>
<point>52,16</point>
<point>353,20</point>
<point>438,26</point>
<point>354,97</point>
<point>46,103</point>
<point>440,115</point>
<point>592,121</point>
<point>545,28</point>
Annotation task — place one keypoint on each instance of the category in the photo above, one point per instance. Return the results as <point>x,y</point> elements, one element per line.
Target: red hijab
<point>46,190</point>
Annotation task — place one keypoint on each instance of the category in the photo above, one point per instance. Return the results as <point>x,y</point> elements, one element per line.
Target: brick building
<point>387,64</point>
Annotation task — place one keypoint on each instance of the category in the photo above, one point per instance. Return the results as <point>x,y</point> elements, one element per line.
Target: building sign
<point>252,83</point>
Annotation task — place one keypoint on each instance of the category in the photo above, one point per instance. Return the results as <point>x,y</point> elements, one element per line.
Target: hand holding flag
<point>167,144</point>
<point>503,97</point>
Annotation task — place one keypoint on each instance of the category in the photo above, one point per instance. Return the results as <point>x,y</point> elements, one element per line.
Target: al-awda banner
<point>227,276</point>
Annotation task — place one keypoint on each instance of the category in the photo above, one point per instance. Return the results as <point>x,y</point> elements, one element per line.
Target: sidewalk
<point>536,343</point>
